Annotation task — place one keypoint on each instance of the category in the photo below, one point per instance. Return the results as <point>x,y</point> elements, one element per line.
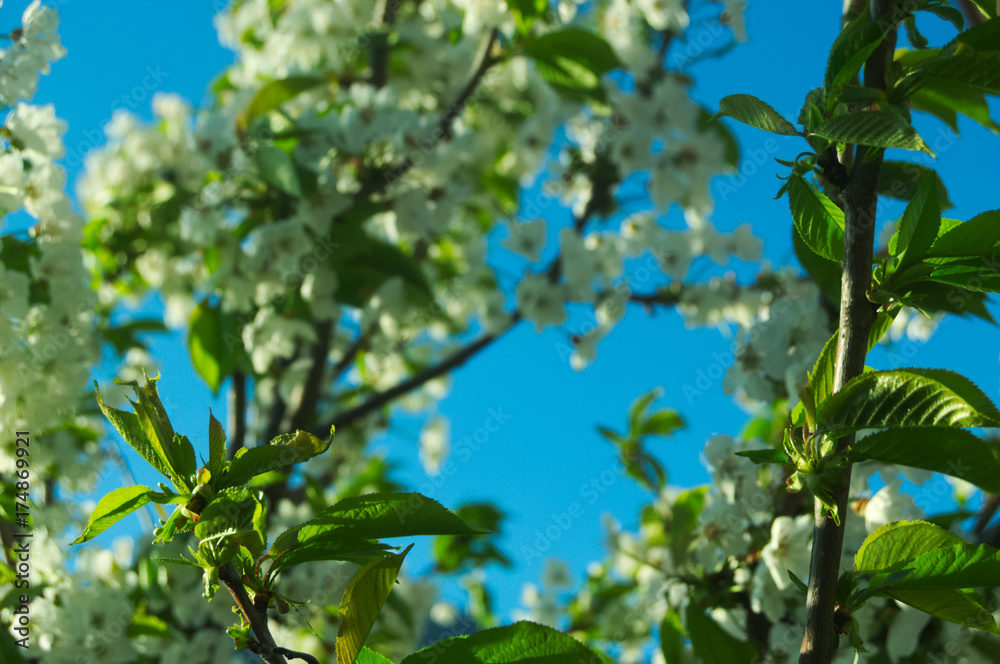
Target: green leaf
<point>183,455</point>
<point>764,456</point>
<point>930,297</point>
<point>216,446</point>
<point>818,220</point>
<point>672,638</point>
<point>585,47</point>
<point>210,354</point>
<point>939,563</point>
<point>908,398</point>
<point>913,34</point>
<point>684,513</point>
<point>521,642</point>
<point>980,70</point>
<point>756,113</point>
<point>986,35</point>
<point>901,180</point>
<point>963,607</point>
<point>117,505</point>
<point>237,516</point>
<point>143,624</point>
<point>637,410</point>
<point>315,543</point>
<point>920,223</point>
<point>711,643</point>
<point>176,561</point>
<point>796,581</point>
<point>850,50</point>
<point>953,568</point>
<point>572,61</point>
<point>128,425</point>
<point>379,516</point>
<point>945,99</point>
<point>274,94</point>
<point>661,423</point>
<point>826,273</point>
<point>949,14</point>
<point>979,236</point>
<point>881,129</point>
<point>277,169</point>
<point>363,263</point>
<point>285,450</point>
<point>899,542</point>
<point>369,656</point>
<point>954,452</point>
<point>123,337</point>
<point>977,275</point>
<point>823,371</point>
<point>362,602</point>
<point>882,324</point>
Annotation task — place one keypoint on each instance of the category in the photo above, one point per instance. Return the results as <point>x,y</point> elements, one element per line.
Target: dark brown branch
<point>237,414</point>
<point>291,654</point>
<point>857,314</point>
<point>385,16</point>
<point>267,649</point>
<point>383,398</point>
<point>305,413</point>
<point>484,61</point>
<point>276,415</point>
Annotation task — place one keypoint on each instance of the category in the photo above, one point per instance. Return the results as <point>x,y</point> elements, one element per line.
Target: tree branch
<point>484,61</point>
<point>267,649</point>
<point>385,16</point>
<point>857,314</point>
<point>237,414</point>
<point>413,382</point>
<point>305,413</point>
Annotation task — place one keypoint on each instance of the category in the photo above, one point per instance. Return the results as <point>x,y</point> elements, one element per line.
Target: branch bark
<point>857,314</point>
<point>413,382</point>
<point>305,412</point>
<point>237,414</point>
<point>266,648</point>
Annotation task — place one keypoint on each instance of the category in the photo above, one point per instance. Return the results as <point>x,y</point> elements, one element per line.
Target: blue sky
<point>535,467</point>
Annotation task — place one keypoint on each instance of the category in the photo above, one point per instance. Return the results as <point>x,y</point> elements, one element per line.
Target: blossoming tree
<point>318,233</point>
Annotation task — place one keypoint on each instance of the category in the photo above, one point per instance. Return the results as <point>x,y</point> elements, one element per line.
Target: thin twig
<point>237,414</point>
<point>292,654</point>
<point>268,649</point>
<point>305,413</point>
<point>385,16</point>
<point>484,60</point>
<point>453,361</point>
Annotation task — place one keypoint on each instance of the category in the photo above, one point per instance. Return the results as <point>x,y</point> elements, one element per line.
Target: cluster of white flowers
<point>748,536</point>
<point>47,341</point>
<point>257,211</point>
<point>775,353</point>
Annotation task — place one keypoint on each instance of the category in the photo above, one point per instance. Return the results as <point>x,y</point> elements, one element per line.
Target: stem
<point>382,398</point>
<point>857,314</point>
<point>305,413</point>
<point>237,414</point>
<point>267,648</point>
<point>385,16</point>
<point>484,61</point>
